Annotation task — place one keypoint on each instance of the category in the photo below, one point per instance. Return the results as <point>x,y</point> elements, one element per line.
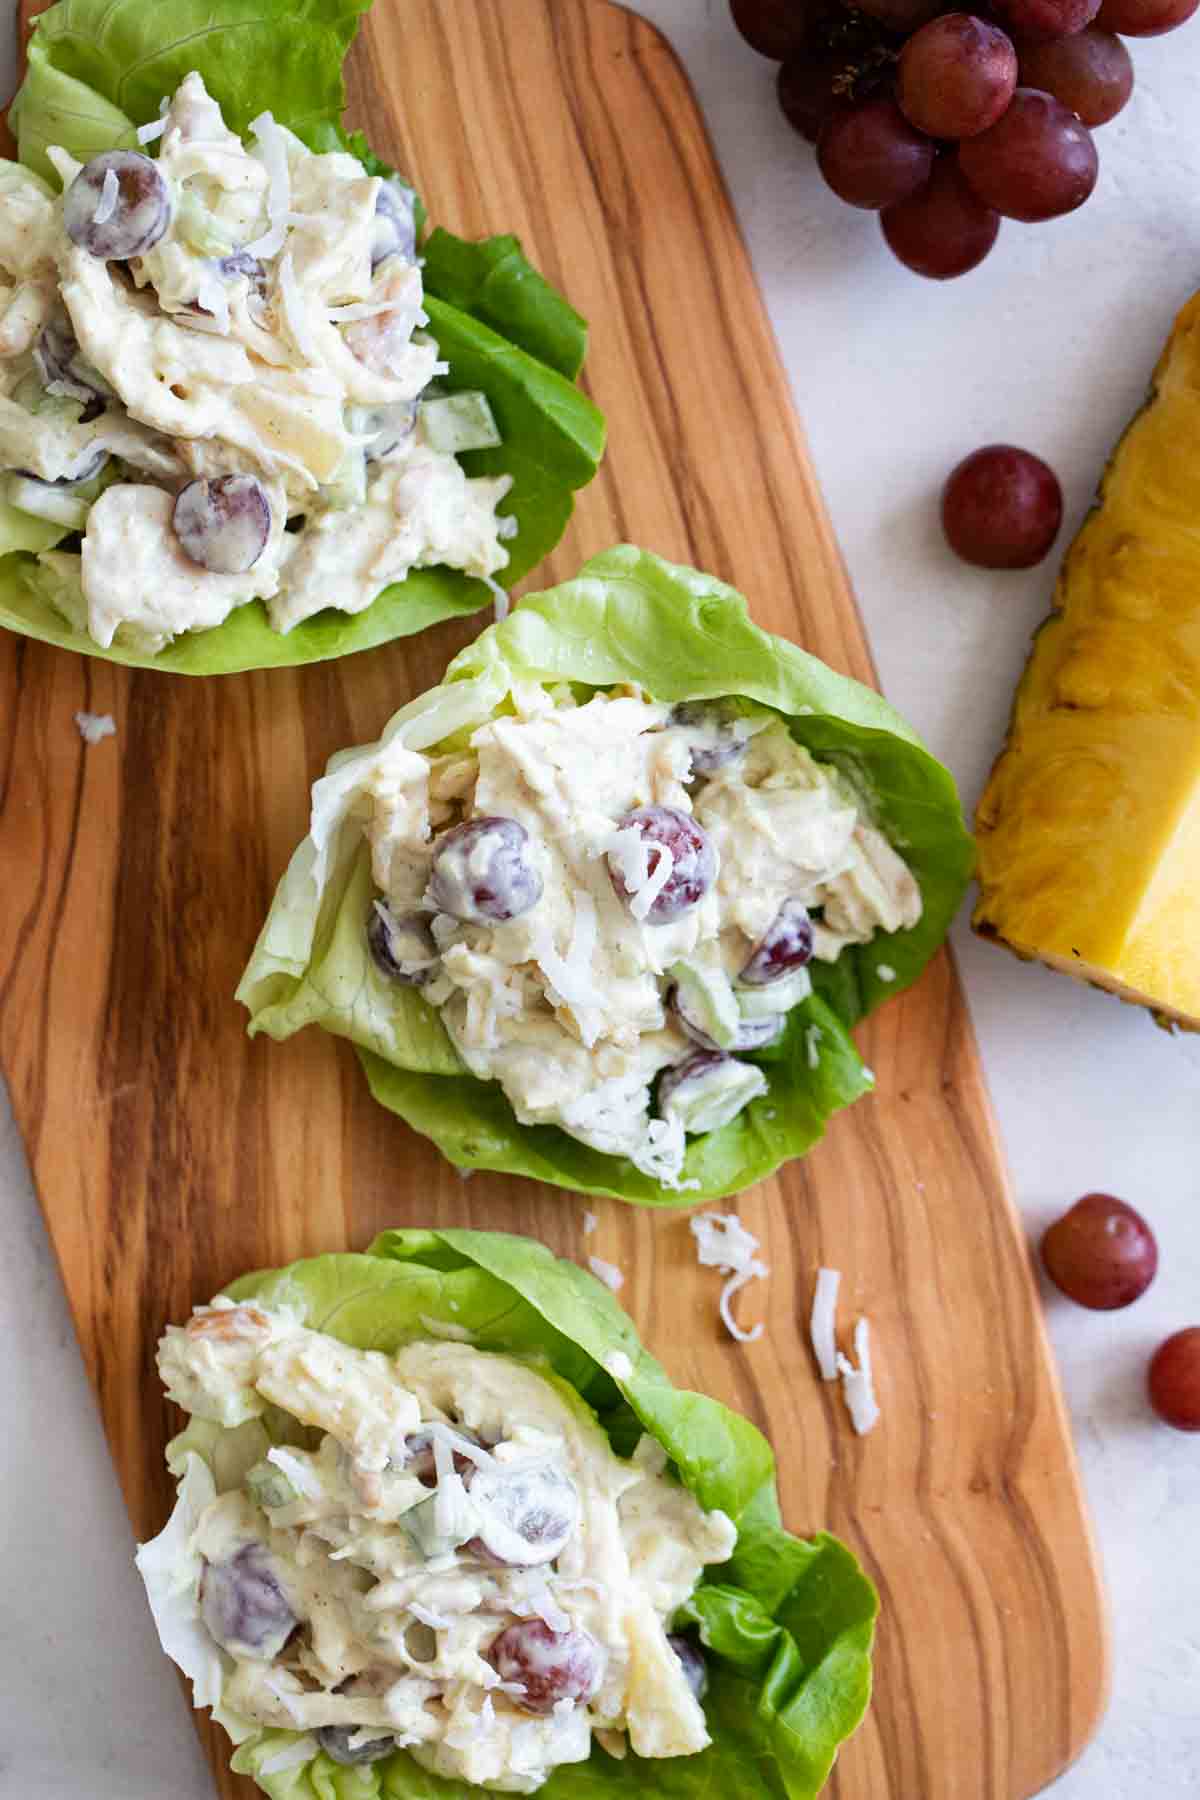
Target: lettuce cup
<point>602,908</point>
<point>251,413</point>
<point>444,1525</point>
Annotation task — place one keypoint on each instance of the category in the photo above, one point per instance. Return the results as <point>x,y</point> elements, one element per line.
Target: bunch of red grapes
<point>945,122</point>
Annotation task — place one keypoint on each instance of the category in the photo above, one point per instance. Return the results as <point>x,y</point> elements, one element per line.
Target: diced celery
<point>269,1486</point>
<point>706,997</point>
<point>459,422</point>
<point>44,501</point>
<point>774,996</point>
<point>200,229</point>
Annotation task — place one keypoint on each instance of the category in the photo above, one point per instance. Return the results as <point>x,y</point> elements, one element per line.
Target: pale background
<point>1049,345</point>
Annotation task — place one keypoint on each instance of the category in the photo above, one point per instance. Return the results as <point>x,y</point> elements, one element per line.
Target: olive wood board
<point>171,1154</point>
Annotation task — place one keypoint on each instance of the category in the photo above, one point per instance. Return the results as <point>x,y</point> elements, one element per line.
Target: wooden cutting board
<point>170,1154</point>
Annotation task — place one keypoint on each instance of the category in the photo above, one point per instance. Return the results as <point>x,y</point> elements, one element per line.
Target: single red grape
<point>693,861</point>
<point>785,946</point>
<point>810,91</point>
<point>775,28</point>
<point>1092,73</point>
<point>957,75</point>
<point>483,871</point>
<point>944,229</point>
<point>1037,162</point>
<point>1145,18</point>
<point>1173,1380</point>
<point>548,1665</point>
<point>1038,20</point>
<point>1001,508</point>
<point>1101,1253</point>
<point>117,207</point>
<point>871,156</point>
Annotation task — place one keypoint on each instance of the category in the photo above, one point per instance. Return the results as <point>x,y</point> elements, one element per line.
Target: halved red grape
<point>1173,1380</point>
<point>401,945</point>
<point>775,28</point>
<point>786,945</point>
<point>871,156</point>
<point>693,860</point>
<point>483,871</point>
<point>1035,163</point>
<point>693,1662</point>
<point>395,229</point>
<point>529,1511</point>
<point>1001,508</point>
<point>1040,20</point>
<point>1145,18</point>
<point>1102,1254</point>
<point>957,75</point>
<point>812,89</point>
<point>243,1604</point>
<point>549,1665</point>
<point>224,524</point>
<point>118,206</point>
<point>944,229</point>
<point>242,263</point>
<point>1092,73</point>
<point>335,1741</point>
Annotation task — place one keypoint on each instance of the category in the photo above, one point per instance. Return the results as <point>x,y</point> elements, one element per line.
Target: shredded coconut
<point>302,1750</point>
<point>858,1388</point>
<point>500,597</point>
<point>885,972</point>
<point>146,134</point>
<point>654,884</point>
<point>110,193</point>
<point>590,1222</point>
<point>93,727</point>
<point>293,312</point>
<point>812,1046</point>
<point>620,1368</point>
<point>272,147</point>
<point>606,1272</point>
<point>822,1328</point>
<point>211,295</point>
<point>722,1242</point>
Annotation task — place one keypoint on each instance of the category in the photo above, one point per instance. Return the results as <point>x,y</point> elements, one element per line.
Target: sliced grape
<point>1092,73</point>
<point>956,76</point>
<point>116,219</point>
<point>483,871</point>
<point>244,1606</point>
<point>693,861</point>
<point>224,524</point>
<point>717,732</point>
<point>943,230</point>
<point>871,156</point>
<point>1173,1380</point>
<point>1037,162</point>
<point>775,28</point>
<point>1001,508</point>
<point>1102,1254</point>
<point>420,1461</point>
<point>395,232</point>
<point>402,945</point>
<point>746,1034</point>
<point>242,263</point>
<point>693,1662</point>
<point>1145,18</point>
<point>708,1090</point>
<point>528,1512</point>
<point>549,1665</point>
<point>786,945</point>
<point>337,1741</point>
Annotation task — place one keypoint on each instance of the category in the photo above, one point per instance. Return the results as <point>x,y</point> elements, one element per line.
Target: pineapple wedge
<point>1089,828</point>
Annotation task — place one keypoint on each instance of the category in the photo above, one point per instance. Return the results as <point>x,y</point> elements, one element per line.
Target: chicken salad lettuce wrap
<point>247,416</point>
<point>444,1524</point>
<point>599,911</point>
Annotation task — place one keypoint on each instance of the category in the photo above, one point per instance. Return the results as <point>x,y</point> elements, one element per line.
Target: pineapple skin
<point>1089,827</point>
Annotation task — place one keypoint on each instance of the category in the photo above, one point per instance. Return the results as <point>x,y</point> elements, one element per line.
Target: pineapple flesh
<point>1089,828</point>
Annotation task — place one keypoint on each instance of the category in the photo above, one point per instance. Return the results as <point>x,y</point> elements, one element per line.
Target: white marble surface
<point>1049,345</point>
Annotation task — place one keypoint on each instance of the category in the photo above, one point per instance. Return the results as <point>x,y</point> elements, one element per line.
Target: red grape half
<point>1101,1254</point>
<point>1173,1380</point>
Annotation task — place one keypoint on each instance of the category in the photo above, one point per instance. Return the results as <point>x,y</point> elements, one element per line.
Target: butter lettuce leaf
<point>788,1622</point>
<point>97,70</point>
<point>628,617</point>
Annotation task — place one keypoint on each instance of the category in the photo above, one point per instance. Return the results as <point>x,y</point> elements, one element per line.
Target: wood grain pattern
<point>170,1155</point>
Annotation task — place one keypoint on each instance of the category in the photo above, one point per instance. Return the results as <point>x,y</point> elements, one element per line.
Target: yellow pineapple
<point>1089,828</point>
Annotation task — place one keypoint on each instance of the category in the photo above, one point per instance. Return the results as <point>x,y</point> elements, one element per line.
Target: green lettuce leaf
<point>628,617</point>
<point>788,1623</point>
<point>95,71</point>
